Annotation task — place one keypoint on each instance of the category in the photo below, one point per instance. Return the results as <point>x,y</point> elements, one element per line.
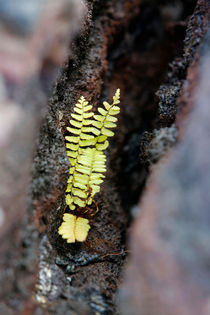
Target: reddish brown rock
<point>123,44</point>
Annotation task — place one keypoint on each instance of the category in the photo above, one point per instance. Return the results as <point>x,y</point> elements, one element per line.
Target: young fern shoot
<point>85,149</point>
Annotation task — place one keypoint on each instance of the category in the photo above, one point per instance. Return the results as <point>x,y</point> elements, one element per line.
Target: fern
<point>73,228</point>
<point>92,164</point>
<point>85,149</point>
<point>80,126</point>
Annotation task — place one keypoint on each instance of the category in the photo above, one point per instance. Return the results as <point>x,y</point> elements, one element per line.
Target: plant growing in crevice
<point>85,149</point>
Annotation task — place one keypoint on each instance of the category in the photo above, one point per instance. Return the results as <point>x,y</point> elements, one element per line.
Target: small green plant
<point>85,148</point>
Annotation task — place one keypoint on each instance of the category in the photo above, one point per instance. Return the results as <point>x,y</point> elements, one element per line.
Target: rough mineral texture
<point>154,51</point>
<point>168,271</point>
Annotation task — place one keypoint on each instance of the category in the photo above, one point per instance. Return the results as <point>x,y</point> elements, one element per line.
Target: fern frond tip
<point>116,97</point>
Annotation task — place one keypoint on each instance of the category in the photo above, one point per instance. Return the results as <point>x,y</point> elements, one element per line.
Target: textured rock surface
<point>122,43</point>
<point>168,272</point>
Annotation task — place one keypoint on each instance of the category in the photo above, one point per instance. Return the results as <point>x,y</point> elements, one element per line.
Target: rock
<point>168,270</point>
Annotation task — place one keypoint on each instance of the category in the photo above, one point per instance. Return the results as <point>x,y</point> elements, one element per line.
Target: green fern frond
<point>85,150</point>
<point>106,121</point>
<point>80,138</point>
<point>88,176</point>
